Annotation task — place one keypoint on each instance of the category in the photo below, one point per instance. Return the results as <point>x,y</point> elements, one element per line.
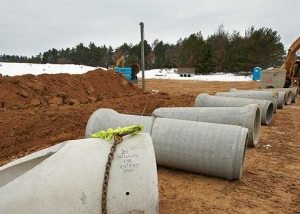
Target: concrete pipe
<point>70,180</point>
<point>280,97</point>
<point>288,94</point>
<point>295,93</point>
<point>260,95</point>
<point>205,148</point>
<point>247,116</point>
<point>266,107</point>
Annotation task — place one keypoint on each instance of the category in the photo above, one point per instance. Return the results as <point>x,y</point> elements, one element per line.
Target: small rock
<point>55,101</point>
<point>71,101</point>
<point>92,99</point>
<point>89,89</point>
<point>267,146</point>
<point>124,82</point>
<point>63,95</point>
<point>85,101</point>
<point>22,93</point>
<point>35,102</point>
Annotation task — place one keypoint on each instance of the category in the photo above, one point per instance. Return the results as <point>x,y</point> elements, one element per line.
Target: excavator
<point>128,72</point>
<point>292,65</point>
<point>286,76</point>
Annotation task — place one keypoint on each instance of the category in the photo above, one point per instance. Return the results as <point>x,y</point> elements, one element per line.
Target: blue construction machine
<point>129,73</point>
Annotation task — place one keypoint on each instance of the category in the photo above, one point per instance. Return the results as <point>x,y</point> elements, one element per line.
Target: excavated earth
<point>39,111</point>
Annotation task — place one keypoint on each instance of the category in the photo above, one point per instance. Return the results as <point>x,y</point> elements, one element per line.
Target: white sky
<point>28,27</point>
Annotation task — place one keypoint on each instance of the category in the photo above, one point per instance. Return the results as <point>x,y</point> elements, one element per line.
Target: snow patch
<point>170,74</point>
<point>15,69</point>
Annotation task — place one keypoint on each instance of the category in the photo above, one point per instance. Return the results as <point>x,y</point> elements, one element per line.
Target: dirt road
<point>271,178</point>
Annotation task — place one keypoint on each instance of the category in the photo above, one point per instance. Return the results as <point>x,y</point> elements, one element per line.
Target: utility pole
<point>142,56</point>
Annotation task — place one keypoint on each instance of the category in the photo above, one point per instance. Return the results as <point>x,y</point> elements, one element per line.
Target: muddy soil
<point>271,177</point>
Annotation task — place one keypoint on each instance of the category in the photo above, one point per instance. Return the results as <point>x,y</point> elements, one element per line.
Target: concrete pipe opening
<point>281,99</point>
<point>288,97</point>
<point>257,124</point>
<point>269,109</point>
<point>295,92</point>
<point>18,167</point>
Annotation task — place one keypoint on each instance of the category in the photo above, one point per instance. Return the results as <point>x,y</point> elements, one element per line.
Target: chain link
<point>118,138</point>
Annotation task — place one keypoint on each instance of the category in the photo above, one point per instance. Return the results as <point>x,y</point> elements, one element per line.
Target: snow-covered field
<point>14,69</point>
<point>170,74</point>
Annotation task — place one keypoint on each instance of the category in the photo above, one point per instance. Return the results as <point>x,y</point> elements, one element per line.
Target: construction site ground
<point>38,112</point>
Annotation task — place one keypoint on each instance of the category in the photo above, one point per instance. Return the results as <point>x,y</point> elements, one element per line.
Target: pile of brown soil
<point>58,89</point>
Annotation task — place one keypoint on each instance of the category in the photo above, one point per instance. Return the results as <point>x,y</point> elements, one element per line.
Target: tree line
<point>220,52</point>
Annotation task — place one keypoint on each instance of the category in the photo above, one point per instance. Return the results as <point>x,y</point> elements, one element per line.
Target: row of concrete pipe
<point>210,138</point>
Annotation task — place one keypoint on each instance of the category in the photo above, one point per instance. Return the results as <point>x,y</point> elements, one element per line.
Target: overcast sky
<point>28,27</point>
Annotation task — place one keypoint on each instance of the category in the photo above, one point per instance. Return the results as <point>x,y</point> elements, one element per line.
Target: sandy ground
<point>271,177</point>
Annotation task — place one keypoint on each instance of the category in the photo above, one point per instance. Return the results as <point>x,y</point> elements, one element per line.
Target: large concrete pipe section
<point>266,107</point>
<point>295,93</point>
<point>281,95</point>
<point>288,94</point>
<point>247,116</point>
<point>260,95</point>
<point>205,148</point>
<point>70,180</point>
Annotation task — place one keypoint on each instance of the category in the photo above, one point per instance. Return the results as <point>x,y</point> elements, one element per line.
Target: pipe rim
<point>281,100</point>
<point>241,147</point>
<point>275,103</point>
<point>94,117</point>
<point>288,97</point>
<point>256,128</point>
<point>268,113</point>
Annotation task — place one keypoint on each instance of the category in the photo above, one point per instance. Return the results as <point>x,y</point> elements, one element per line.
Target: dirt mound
<point>58,89</point>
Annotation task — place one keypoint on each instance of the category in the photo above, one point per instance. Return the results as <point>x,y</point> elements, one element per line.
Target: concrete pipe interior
<point>269,115</point>
<point>288,97</point>
<point>17,168</point>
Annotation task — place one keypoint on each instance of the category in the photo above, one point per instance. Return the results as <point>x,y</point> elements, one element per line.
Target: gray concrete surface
<point>205,148</point>
<point>260,95</point>
<point>70,180</point>
<point>280,98</point>
<point>266,107</point>
<point>247,116</point>
<point>18,167</point>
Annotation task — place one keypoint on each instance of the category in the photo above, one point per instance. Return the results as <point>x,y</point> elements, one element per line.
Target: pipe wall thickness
<point>266,107</point>
<point>205,148</point>
<point>247,116</point>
